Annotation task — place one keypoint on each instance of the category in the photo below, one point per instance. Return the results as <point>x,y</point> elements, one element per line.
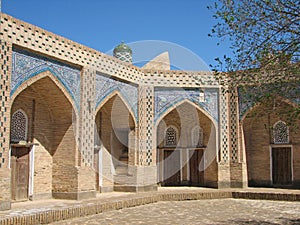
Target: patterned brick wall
<point>234,127</point>
<point>146,126</point>
<point>5,61</point>
<point>42,41</point>
<point>5,72</point>
<point>224,139</point>
<point>87,116</point>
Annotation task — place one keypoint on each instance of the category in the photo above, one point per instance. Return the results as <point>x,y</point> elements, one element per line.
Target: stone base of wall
<point>268,184</point>
<point>126,188</point>
<point>211,184</point>
<point>106,189</point>
<point>223,175</point>
<point>238,175</point>
<point>40,196</point>
<point>5,205</point>
<point>224,184</point>
<point>74,195</point>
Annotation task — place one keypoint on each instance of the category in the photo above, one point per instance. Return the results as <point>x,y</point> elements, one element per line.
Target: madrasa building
<point>76,122</point>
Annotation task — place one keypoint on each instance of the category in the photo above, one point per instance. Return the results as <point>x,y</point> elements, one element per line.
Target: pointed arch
<point>53,78</point>
<point>110,96</point>
<point>257,104</point>
<point>166,112</point>
<point>19,126</point>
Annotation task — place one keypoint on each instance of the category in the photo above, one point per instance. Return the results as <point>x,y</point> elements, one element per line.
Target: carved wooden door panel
<point>20,173</point>
<point>281,166</point>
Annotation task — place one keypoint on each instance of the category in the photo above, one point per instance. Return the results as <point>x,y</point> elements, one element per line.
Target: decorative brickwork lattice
<point>233,126</point>
<point>224,126</point>
<point>280,133</point>
<point>146,128</point>
<point>47,43</point>
<point>87,116</point>
<point>106,85</point>
<point>5,61</point>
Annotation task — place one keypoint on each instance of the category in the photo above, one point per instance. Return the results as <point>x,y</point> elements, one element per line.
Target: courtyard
<point>168,205</point>
<point>213,211</point>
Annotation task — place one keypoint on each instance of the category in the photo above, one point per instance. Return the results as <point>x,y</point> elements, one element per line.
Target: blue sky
<point>102,24</point>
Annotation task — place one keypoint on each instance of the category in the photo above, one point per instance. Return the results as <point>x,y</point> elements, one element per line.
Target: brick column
<point>146,173</point>
<point>87,172</point>
<point>238,171</point>
<point>223,164</point>
<point>5,74</point>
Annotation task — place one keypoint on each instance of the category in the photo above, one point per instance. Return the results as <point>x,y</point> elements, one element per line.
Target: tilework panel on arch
<point>166,98</point>
<point>248,96</point>
<point>106,85</point>
<point>26,65</point>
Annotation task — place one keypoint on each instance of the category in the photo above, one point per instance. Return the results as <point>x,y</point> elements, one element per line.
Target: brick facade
<point>95,123</point>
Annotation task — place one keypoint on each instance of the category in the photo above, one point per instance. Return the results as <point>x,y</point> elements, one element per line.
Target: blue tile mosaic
<point>26,65</point>
<point>248,96</point>
<point>106,85</point>
<point>166,98</point>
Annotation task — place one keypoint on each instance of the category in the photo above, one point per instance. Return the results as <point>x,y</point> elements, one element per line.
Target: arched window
<point>197,136</point>
<point>18,128</point>
<point>280,133</point>
<point>171,136</point>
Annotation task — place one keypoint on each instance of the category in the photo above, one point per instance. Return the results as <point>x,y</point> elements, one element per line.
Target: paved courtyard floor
<point>215,211</point>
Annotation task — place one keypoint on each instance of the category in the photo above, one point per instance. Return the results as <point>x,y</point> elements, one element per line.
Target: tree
<point>265,40</point>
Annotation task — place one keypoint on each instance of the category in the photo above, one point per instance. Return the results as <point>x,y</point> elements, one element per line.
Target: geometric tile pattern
<point>26,65</point>
<point>224,126</point>
<point>248,96</point>
<point>124,56</point>
<point>106,85</point>
<point>166,98</point>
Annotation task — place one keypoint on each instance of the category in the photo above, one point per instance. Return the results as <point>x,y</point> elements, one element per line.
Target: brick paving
<point>164,203</point>
<point>213,211</point>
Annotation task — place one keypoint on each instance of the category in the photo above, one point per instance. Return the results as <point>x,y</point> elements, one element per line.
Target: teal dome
<point>123,52</point>
<point>122,48</point>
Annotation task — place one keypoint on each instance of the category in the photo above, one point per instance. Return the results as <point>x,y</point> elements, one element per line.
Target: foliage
<point>265,40</point>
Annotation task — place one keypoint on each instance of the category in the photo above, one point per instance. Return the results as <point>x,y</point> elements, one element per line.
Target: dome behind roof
<point>123,52</point>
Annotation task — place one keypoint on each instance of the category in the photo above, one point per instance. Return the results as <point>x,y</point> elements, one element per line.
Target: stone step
<point>122,170</point>
<point>124,180</point>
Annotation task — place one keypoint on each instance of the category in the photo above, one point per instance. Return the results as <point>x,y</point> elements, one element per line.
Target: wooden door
<point>20,173</point>
<point>281,166</point>
<point>171,167</point>
<point>196,168</point>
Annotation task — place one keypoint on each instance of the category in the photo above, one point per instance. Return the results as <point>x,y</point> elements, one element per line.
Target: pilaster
<point>238,170</point>
<point>223,162</point>
<point>147,172</point>
<point>87,173</point>
<point>5,74</point>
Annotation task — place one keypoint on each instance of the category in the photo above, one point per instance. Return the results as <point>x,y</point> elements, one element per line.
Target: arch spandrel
<point>106,87</point>
<point>27,65</point>
<point>46,74</point>
<point>166,99</point>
